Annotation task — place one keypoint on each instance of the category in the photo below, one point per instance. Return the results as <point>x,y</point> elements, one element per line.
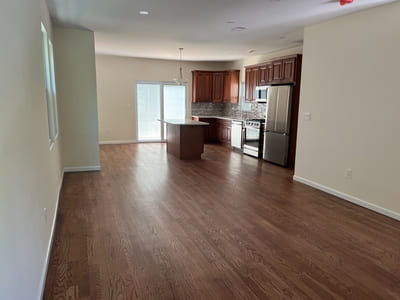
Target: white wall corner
<point>349,198</point>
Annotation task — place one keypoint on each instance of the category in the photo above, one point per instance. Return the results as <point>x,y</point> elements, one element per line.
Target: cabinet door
<point>209,132</point>
<point>220,132</point>
<point>289,66</point>
<point>228,134</point>
<point>263,76</point>
<point>254,74</point>
<point>277,70</point>
<point>231,86</point>
<point>248,86</point>
<point>269,73</point>
<point>253,82</point>
<point>218,86</point>
<point>202,86</point>
<point>227,86</point>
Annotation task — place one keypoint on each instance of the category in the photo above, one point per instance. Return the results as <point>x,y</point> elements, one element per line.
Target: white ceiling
<point>200,26</point>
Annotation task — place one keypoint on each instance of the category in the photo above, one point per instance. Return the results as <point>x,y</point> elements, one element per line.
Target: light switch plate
<point>307,116</point>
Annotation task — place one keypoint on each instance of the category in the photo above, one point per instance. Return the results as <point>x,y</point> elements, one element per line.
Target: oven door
<point>252,141</point>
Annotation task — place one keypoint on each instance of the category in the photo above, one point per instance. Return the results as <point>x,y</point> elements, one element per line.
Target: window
<point>50,84</point>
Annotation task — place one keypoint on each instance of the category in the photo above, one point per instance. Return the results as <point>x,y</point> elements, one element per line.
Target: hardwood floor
<point>149,226</point>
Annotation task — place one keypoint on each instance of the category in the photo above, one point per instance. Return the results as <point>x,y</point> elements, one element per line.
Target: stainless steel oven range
<point>253,141</point>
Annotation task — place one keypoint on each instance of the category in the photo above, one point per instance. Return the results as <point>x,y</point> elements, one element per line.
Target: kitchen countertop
<point>184,122</point>
<point>223,118</point>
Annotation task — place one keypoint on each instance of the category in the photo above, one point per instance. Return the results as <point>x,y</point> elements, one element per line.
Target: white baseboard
<point>117,142</point>
<point>82,169</point>
<point>347,197</point>
<point>50,245</point>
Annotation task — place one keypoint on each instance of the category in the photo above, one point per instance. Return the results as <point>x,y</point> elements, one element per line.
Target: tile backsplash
<point>208,109</point>
<point>253,110</point>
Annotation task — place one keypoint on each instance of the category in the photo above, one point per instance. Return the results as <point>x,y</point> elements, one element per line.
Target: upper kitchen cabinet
<point>277,71</point>
<point>231,86</point>
<point>252,78</point>
<point>265,74</point>
<point>218,87</point>
<point>289,69</point>
<point>202,86</point>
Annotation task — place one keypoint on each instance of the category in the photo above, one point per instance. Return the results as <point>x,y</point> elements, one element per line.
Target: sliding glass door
<point>148,111</point>
<point>158,101</point>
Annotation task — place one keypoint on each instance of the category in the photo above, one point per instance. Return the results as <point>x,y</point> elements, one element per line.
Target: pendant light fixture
<point>180,81</point>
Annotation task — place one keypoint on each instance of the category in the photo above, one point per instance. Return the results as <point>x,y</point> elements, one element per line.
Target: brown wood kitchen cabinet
<point>277,71</point>
<point>262,75</point>
<point>218,87</point>
<point>231,86</point>
<point>224,128</point>
<point>215,86</point>
<point>219,130</point>
<point>251,82</point>
<point>202,86</point>
<point>210,132</point>
<point>265,74</point>
<point>288,69</point>
<point>277,67</point>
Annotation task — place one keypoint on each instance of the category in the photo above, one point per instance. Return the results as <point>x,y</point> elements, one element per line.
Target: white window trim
<point>50,86</point>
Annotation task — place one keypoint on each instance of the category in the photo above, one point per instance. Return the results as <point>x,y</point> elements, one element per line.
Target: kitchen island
<point>185,138</point>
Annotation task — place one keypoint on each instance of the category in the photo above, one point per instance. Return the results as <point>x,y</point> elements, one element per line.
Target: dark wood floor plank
<point>149,226</point>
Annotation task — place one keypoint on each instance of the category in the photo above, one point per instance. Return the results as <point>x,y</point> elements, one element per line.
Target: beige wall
<point>77,98</point>
<point>350,85</point>
<point>116,77</point>
<point>30,173</point>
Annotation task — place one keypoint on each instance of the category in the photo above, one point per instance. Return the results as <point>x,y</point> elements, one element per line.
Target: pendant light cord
<point>180,66</point>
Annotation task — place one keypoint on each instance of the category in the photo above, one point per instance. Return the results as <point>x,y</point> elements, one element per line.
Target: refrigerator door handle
<point>275,132</point>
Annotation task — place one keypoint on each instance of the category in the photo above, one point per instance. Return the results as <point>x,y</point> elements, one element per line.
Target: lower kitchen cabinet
<point>210,133</point>
<point>224,128</point>
<point>219,130</point>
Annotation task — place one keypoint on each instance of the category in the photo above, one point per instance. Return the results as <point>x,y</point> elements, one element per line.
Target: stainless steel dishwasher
<point>236,134</point>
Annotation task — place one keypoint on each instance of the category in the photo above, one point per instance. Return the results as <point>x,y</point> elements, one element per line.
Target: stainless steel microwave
<point>262,94</point>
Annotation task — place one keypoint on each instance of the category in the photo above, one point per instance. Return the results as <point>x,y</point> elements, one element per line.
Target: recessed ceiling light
<point>239,28</point>
<point>143,12</point>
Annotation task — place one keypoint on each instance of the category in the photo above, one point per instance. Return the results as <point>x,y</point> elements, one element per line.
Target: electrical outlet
<point>349,173</point>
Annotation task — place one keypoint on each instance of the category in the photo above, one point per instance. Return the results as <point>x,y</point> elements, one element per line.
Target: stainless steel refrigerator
<point>277,124</point>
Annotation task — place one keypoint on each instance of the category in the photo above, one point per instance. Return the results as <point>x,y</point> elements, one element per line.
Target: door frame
<point>135,105</point>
